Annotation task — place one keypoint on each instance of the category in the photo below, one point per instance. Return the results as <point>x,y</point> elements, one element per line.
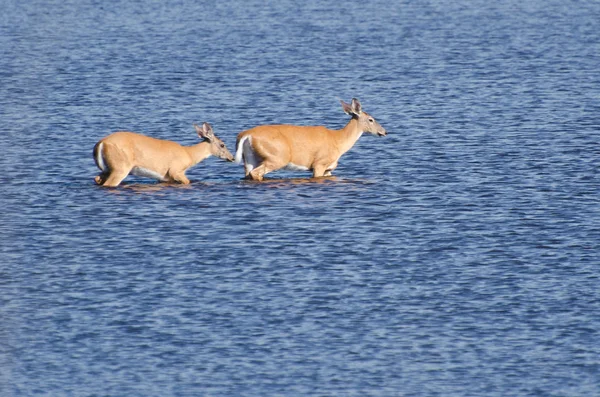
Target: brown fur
<point>316,148</point>
<point>122,151</point>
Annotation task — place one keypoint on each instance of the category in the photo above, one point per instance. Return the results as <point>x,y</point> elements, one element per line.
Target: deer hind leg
<point>101,178</point>
<point>256,174</point>
<point>264,168</point>
<point>251,159</point>
<point>115,177</point>
<point>113,162</point>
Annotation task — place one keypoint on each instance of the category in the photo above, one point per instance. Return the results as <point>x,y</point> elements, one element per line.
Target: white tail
<point>98,157</point>
<point>124,153</point>
<point>240,150</point>
<point>268,148</point>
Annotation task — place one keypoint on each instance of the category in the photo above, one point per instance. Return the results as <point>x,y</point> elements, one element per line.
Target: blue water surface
<point>458,256</point>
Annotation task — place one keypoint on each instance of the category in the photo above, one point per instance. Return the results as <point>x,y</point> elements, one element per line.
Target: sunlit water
<point>458,256</point>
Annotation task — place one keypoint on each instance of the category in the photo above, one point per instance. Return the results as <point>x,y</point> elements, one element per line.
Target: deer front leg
<point>319,170</point>
<point>183,180</point>
<point>179,177</point>
<point>330,169</point>
<point>176,174</point>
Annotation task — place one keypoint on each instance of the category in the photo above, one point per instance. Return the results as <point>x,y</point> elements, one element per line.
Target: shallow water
<point>457,256</point>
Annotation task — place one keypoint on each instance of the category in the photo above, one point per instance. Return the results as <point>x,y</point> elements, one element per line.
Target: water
<point>458,256</point>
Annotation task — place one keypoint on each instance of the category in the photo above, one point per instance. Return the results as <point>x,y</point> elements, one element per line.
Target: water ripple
<point>456,256</point>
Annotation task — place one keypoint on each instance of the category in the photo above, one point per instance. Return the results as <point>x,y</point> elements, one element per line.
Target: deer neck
<point>347,136</point>
<point>198,152</point>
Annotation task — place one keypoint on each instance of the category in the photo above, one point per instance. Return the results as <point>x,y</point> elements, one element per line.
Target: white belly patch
<point>144,172</point>
<point>295,167</point>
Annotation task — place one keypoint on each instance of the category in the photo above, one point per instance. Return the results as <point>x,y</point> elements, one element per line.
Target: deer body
<point>124,153</point>
<point>264,149</point>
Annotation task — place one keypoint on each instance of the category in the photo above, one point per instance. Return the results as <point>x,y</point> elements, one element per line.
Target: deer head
<point>366,122</point>
<point>217,146</point>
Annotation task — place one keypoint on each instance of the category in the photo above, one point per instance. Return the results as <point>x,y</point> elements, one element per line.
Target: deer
<point>123,153</point>
<point>268,148</point>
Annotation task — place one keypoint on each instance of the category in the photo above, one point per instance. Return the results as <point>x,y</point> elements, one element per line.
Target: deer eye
<point>222,145</point>
<point>371,120</point>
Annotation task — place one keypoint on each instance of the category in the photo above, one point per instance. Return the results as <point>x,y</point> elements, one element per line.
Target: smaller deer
<point>124,153</point>
<point>267,148</point>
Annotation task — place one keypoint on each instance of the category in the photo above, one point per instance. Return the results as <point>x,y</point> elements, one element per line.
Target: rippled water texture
<point>458,256</point>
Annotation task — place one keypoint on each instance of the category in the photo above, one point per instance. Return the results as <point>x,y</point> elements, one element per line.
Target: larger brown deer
<point>124,153</point>
<point>267,148</point>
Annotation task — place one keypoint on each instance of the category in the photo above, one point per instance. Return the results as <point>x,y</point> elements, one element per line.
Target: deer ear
<point>347,108</point>
<point>356,106</point>
<point>208,129</point>
<point>206,132</point>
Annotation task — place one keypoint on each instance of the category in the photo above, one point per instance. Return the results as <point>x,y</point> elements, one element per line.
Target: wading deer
<point>267,148</point>
<point>124,153</point>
